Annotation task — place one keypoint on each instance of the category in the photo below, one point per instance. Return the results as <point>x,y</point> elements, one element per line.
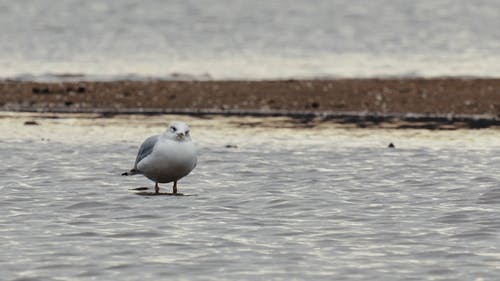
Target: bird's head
<point>178,131</point>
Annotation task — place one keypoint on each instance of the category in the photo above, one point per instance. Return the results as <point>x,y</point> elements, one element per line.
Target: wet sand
<point>227,132</point>
<point>440,103</point>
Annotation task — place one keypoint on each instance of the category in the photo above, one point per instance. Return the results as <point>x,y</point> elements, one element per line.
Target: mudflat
<point>447,101</point>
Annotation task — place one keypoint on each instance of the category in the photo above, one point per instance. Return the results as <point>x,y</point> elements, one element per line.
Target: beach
<point>269,201</point>
<point>432,103</point>
<point>335,139</point>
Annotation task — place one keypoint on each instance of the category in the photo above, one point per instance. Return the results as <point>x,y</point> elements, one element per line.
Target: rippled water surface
<point>304,204</point>
<point>245,39</point>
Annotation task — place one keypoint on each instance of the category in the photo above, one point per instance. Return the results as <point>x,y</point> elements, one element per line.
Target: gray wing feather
<point>146,148</point>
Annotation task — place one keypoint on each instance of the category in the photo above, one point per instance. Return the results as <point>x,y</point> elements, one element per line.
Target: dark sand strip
<point>440,103</point>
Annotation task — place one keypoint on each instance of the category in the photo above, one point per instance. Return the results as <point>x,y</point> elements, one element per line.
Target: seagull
<point>167,157</point>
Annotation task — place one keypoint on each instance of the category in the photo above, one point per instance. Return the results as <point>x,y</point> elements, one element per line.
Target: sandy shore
<point>441,103</point>
<point>228,132</point>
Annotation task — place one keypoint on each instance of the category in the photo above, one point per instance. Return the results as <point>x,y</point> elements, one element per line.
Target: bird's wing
<point>146,148</point>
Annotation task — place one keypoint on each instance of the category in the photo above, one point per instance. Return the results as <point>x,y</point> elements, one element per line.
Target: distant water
<point>244,39</point>
<point>299,204</point>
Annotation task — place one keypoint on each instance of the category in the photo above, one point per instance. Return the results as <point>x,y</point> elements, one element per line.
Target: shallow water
<point>244,39</point>
<point>294,204</point>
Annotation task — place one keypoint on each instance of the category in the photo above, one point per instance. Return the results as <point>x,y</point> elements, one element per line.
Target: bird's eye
<point>173,129</point>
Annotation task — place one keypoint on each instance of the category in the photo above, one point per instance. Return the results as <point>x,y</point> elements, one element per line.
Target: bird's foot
<point>161,193</point>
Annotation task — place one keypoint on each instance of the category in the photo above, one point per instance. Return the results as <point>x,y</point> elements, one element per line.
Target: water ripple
<point>286,212</point>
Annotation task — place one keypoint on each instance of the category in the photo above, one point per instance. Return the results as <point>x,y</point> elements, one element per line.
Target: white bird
<point>167,157</point>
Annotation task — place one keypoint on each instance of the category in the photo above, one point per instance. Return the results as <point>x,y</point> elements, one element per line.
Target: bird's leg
<point>157,188</point>
<point>175,188</point>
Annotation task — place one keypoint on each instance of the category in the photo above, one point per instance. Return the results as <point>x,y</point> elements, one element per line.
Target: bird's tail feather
<point>131,172</point>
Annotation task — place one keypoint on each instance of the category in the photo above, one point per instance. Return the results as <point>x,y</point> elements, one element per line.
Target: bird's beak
<point>180,135</point>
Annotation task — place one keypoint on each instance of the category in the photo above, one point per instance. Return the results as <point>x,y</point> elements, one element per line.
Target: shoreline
<point>428,103</point>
